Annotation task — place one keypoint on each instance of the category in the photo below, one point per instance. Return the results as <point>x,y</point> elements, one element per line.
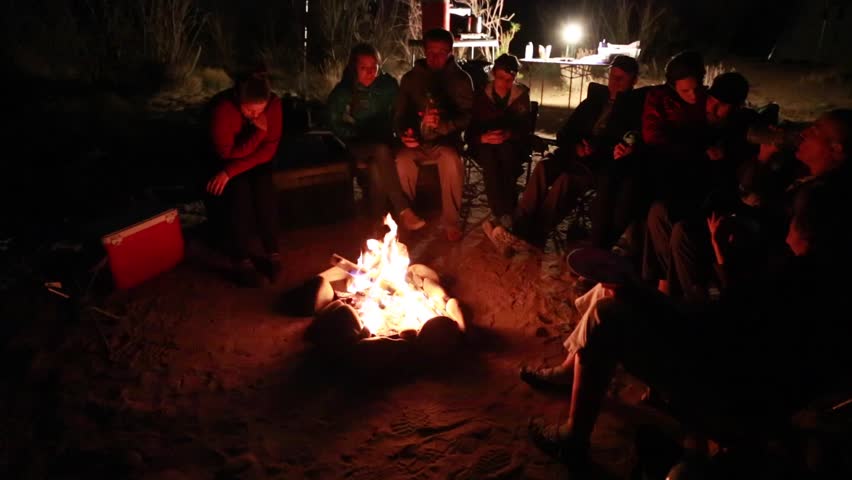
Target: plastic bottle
<point>528,51</point>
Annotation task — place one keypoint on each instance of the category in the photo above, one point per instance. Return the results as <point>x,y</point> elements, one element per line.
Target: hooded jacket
<point>487,115</point>
<point>357,112</point>
<point>452,91</point>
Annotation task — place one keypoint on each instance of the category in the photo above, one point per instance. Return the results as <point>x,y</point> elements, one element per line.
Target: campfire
<point>390,295</point>
<point>380,297</point>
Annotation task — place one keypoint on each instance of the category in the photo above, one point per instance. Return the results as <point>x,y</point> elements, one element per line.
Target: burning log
<point>439,337</point>
<point>418,272</point>
<point>308,298</point>
<point>335,326</point>
<point>383,297</point>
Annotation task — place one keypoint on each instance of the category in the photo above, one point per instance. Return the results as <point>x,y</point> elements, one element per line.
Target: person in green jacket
<point>360,109</point>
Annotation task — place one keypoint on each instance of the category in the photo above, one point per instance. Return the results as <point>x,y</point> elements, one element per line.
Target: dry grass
<point>144,44</point>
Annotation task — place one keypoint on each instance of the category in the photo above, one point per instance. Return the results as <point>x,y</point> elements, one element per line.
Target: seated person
<point>498,136</point>
<point>736,371</point>
<point>432,110</point>
<point>584,143</point>
<point>691,253</point>
<point>245,128</point>
<point>674,121</point>
<point>360,109</point>
<point>675,225</point>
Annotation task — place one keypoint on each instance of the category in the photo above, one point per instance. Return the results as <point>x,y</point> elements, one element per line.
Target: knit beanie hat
<point>628,64</point>
<point>508,63</point>
<point>730,88</point>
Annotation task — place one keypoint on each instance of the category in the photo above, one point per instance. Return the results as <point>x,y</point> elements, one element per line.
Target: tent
<point>820,31</point>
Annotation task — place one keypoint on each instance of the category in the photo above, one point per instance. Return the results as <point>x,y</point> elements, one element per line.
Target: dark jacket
<point>357,112</point>
<point>451,89</point>
<point>671,126</point>
<point>581,123</point>
<point>730,137</point>
<point>487,115</point>
<point>625,115</point>
<point>237,142</point>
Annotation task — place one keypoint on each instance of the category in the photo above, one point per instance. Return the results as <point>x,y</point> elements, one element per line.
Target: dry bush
<point>170,31</point>
<point>714,70</point>
<point>222,48</point>
<point>825,76</point>
<point>132,44</point>
<point>627,20</point>
<point>507,36</point>
<point>345,23</point>
<point>491,13</point>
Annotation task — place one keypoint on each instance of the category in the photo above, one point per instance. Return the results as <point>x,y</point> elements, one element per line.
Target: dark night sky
<point>745,27</point>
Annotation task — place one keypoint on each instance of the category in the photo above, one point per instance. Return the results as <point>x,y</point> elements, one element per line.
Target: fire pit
<point>382,297</point>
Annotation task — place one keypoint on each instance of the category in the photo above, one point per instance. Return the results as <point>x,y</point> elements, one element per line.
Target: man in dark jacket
<point>586,139</point>
<point>432,110</point>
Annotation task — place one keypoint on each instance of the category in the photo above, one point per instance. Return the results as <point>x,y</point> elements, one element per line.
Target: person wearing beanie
<point>499,135</point>
<point>727,93</point>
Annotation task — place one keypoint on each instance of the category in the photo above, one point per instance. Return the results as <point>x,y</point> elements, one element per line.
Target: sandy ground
<point>196,378</point>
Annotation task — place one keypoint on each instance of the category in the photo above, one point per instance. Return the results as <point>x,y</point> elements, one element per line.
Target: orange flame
<point>390,303</point>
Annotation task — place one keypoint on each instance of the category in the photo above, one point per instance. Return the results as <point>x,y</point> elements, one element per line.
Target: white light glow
<point>572,33</point>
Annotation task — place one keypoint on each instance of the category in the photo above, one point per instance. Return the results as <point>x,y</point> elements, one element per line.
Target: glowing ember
<point>386,300</point>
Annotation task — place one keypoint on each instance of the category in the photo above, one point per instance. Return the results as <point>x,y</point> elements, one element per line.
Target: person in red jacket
<point>245,128</point>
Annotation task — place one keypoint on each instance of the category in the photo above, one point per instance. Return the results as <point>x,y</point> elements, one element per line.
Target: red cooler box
<point>147,246</point>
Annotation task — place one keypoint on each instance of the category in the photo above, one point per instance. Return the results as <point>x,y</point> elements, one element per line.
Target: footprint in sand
<point>428,420</point>
<point>472,436</point>
<point>408,422</point>
<point>494,463</point>
<point>414,459</point>
<point>371,473</point>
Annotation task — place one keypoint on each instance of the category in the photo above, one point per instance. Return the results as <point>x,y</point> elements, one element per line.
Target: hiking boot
<point>271,266</point>
<point>554,441</point>
<point>410,220</point>
<point>553,379</point>
<point>246,275</point>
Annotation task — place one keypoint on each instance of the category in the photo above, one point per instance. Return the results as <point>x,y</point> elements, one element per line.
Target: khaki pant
<point>450,171</point>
